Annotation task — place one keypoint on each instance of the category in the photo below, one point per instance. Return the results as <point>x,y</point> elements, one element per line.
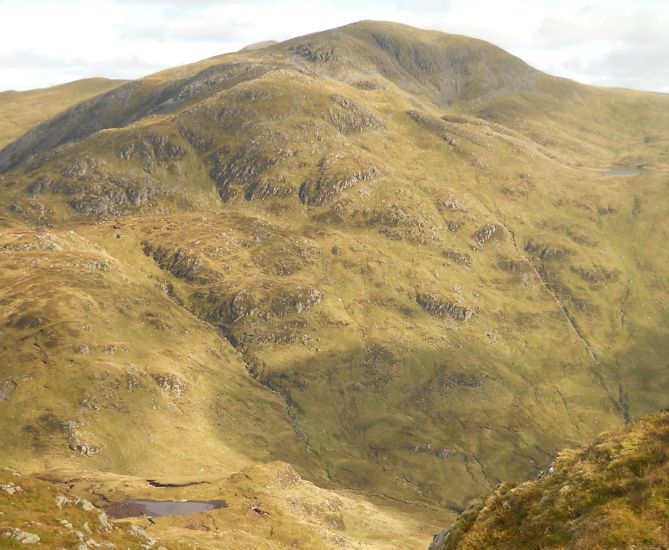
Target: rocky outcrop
<point>94,193</point>
<point>71,429</point>
<point>488,232</point>
<point>432,125</point>
<point>21,536</point>
<point>247,173</point>
<point>199,142</point>
<point>337,172</point>
<point>7,389</point>
<point>11,488</point>
<point>458,257</point>
<point>181,263</point>
<point>151,150</point>
<point>453,205</point>
<point>596,276</point>
<point>171,383</point>
<point>547,252</point>
<point>349,117</point>
<point>313,53</point>
<point>511,265</point>
<point>280,303</point>
<point>437,306</point>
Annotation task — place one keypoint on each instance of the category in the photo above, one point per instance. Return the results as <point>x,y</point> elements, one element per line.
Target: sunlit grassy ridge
<point>388,257</point>
<point>22,111</point>
<point>612,493</point>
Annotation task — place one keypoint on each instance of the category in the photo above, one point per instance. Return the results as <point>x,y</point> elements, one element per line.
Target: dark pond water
<point>622,171</point>
<point>138,507</point>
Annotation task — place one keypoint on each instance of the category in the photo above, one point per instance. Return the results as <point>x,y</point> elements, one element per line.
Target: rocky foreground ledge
<point>613,493</point>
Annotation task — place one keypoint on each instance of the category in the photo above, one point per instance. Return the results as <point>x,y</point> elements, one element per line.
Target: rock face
<point>181,263</point>
<point>436,305</point>
<point>263,303</point>
<point>337,172</point>
<point>488,232</point>
<point>245,172</point>
<point>21,536</point>
<point>99,194</point>
<point>151,150</point>
<point>458,257</point>
<point>11,488</point>
<point>171,383</point>
<point>313,53</point>
<point>348,116</point>
<point>71,429</point>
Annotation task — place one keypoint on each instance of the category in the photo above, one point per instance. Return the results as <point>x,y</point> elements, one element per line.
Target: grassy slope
<point>612,493</point>
<point>370,391</point>
<point>22,111</point>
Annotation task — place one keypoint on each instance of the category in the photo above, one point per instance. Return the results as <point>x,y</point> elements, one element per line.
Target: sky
<point>601,42</point>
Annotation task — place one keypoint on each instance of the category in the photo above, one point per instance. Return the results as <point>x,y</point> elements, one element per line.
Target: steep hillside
<point>22,111</point>
<point>391,258</point>
<point>613,493</point>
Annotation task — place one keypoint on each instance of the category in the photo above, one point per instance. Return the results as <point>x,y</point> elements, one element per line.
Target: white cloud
<point>43,42</point>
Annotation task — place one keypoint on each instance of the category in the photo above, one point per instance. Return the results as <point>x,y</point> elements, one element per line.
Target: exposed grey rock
<point>347,116</point>
<point>513,266</point>
<point>21,536</point>
<point>133,379</point>
<point>458,257</point>
<point>7,389</point>
<point>337,172</point>
<point>487,232</point>
<point>81,167</point>
<point>70,427</point>
<point>547,472</point>
<point>181,263</point>
<point>198,142</point>
<point>454,205</point>
<point>436,306</point>
<point>96,193</point>
<point>314,53</point>
<point>138,532</point>
<point>463,381</point>
<point>441,454</point>
<point>547,252</point>
<point>244,171</point>
<point>170,382</point>
<point>243,305</point>
<point>295,300</point>
<point>11,489</point>
<point>439,541</point>
<point>84,504</point>
<point>151,150</point>
<point>103,520</point>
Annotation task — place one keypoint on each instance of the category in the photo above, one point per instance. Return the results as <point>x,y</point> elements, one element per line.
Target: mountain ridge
<point>308,253</point>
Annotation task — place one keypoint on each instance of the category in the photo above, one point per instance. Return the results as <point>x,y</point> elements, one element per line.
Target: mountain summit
<point>399,264</point>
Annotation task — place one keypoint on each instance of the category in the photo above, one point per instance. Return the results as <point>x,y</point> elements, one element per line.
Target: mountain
<point>391,258</point>
<point>21,111</point>
<point>610,494</point>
